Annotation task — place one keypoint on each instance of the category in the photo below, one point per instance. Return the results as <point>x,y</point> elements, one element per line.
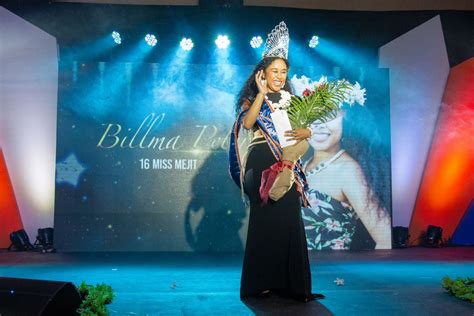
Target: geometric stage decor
<point>9,213</point>
<point>447,186</point>
<point>464,234</point>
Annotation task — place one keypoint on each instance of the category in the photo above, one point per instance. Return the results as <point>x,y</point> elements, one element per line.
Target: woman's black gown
<point>276,255</point>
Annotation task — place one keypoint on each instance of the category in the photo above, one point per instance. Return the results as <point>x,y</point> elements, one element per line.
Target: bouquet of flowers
<point>318,101</point>
<point>314,101</point>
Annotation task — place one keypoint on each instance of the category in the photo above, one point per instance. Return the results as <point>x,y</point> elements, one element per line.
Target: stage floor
<point>382,282</point>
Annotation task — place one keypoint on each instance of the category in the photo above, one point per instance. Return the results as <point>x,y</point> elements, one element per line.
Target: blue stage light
<point>222,41</point>
<point>116,37</point>
<point>256,41</point>
<point>151,40</point>
<point>186,44</point>
<point>314,41</point>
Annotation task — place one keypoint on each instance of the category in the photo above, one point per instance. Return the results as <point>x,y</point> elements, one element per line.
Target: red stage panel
<point>447,185</point>
<point>10,219</point>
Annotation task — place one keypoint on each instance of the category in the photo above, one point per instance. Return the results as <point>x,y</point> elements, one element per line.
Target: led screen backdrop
<point>142,158</point>
<point>141,136</point>
<point>142,154</point>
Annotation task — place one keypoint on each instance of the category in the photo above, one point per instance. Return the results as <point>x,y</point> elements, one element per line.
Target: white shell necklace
<point>284,102</point>
<point>323,165</point>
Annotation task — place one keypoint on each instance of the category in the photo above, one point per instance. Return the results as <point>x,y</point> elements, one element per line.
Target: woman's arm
<point>376,220</point>
<point>251,116</point>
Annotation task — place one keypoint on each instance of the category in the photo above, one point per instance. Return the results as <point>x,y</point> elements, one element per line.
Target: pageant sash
<point>266,126</point>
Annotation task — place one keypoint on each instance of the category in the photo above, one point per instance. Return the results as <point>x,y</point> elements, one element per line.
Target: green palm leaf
<point>322,105</point>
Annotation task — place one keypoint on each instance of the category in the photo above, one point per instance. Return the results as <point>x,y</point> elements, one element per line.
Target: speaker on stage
<point>37,297</point>
<point>400,237</point>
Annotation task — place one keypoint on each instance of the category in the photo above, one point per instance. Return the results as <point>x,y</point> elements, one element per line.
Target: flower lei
<point>284,102</point>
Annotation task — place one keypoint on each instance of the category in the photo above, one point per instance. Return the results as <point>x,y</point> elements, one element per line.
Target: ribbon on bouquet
<point>269,176</point>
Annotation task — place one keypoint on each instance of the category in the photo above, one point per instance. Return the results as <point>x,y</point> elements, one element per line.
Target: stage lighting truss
<point>186,44</point>
<point>222,41</point>
<point>116,37</point>
<point>256,41</point>
<point>151,40</point>
<point>314,41</point>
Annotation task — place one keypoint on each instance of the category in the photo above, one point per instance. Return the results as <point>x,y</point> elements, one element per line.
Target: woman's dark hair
<point>362,142</point>
<point>249,91</point>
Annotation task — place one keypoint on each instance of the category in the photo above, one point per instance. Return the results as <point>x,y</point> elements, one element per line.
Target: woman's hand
<point>298,134</point>
<point>261,82</point>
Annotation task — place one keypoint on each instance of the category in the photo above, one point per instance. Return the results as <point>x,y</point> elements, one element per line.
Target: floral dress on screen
<point>329,223</point>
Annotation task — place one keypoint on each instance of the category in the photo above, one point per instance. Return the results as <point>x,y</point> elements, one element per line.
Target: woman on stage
<point>276,256</point>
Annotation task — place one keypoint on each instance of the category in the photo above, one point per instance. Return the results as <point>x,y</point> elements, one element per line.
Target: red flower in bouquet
<point>306,92</point>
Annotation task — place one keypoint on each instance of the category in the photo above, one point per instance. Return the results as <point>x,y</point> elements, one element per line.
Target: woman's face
<point>327,135</point>
<point>276,74</point>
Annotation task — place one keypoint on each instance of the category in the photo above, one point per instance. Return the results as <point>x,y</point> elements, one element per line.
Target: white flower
<point>313,201</point>
<point>284,102</point>
<point>338,244</point>
<point>359,94</point>
<point>347,238</point>
<point>285,98</point>
<point>339,281</point>
<point>332,225</point>
<point>301,84</point>
<point>355,94</point>
<point>321,81</point>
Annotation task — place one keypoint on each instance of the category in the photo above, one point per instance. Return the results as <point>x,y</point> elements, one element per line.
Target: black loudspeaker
<point>45,237</point>
<point>433,236</point>
<point>400,237</point>
<point>25,297</point>
<point>20,241</point>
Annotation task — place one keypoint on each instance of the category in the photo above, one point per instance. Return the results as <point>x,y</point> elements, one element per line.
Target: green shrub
<point>94,299</point>
<point>462,288</point>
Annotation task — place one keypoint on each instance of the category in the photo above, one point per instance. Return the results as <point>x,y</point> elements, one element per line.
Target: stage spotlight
<point>433,236</point>
<point>186,44</point>
<point>20,240</point>
<point>45,236</point>
<point>45,239</point>
<point>400,237</point>
<point>256,41</point>
<point>151,40</point>
<point>116,37</point>
<point>222,41</point>
<point>314,41</point>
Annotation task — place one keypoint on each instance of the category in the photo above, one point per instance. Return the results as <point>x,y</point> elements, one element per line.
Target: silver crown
<point>277,42</point>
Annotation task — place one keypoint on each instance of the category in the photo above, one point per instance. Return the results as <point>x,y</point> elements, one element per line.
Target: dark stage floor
<point>382,282</point>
